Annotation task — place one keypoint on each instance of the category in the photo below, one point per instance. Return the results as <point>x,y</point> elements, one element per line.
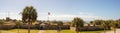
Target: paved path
<point>117,31</point>
<point>41,31</point>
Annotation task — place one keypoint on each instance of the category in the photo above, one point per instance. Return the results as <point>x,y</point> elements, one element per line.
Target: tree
<point>18,25</point>
<point>60,23</point>
<point>78,23</point>
<point>29,15</point>
<point>113,24</point>
<point>108,24</point>
<point>1,22</point>
<point>98,22</point>
<point>118,22</point>
<point>92,22</point>
<point>104,26</point>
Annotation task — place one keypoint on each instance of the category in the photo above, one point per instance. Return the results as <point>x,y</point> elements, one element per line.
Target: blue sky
<point>63,9</point>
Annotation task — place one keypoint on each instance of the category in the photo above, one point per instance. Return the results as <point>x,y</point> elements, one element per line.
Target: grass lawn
<point>92,32</point>
<point>45,31</point>
<point>50,31</point>
<point>20,30</point>
<point>69,31</point>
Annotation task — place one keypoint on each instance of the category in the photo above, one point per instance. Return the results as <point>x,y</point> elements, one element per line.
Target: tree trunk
<point>0,31</point>
<point>77,29</point>
<point>18,29</point>
<point>0,28</point>
<point>104,30</point>
<point>114,30</point>
<point>59,29</point>
<point>29,27</point>
<point>80,30</point>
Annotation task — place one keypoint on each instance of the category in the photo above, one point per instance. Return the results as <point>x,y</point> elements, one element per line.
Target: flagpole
<point>49,18</point>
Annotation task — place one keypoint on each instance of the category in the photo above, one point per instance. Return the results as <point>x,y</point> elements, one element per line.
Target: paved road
<point>41,31</point>
<point>117,31</point>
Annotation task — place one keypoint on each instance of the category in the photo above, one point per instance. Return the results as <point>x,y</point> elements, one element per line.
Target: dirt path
<point>41,31</point>
<point>117,31</point>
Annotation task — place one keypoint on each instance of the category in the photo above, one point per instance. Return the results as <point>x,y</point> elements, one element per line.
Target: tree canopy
<point>29,14</point>
<point>78,22</point>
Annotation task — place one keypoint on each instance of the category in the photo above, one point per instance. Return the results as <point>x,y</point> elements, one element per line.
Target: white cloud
<point>70,17</point>
<point>83,15</point>
<point>56,16</point>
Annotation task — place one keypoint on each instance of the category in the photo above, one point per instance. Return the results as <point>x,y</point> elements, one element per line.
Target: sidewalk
<point>117,31</point>
<point>41,31</point>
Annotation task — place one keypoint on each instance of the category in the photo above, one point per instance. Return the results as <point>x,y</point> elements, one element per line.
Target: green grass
<point>20,30</point>
<point>50,31</point>
<point>45,31</point>
<point>92,32</point>
<point>69,31</point>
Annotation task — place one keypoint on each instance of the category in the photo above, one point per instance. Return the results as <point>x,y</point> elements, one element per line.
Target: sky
<point>63,9</point>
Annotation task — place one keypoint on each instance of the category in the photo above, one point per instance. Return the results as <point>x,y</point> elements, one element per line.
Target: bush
<point>25,26</point>
<point>53,27</point>
<point>90,28</point>
<point>6,27</point>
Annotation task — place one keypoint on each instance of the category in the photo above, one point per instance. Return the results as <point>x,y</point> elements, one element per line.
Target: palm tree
<point>98,22</point>
<point>29,15</point>
<point>113,24</point>
<point>118,22</point>
<point>1,22</point>
<point>104,26</point>
<point>78,23</point>
<point>18,25</point>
